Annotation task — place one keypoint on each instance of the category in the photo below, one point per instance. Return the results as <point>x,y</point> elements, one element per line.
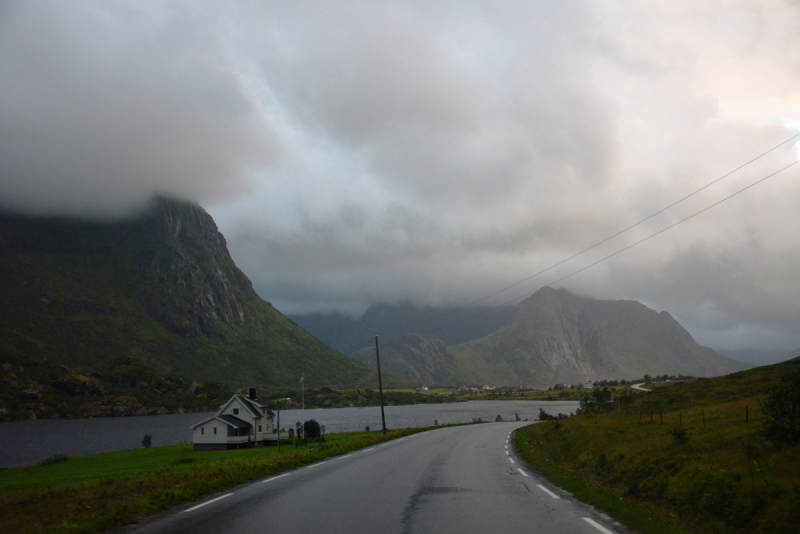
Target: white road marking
<point>597,525</point>
<point>384,444</point>
<point>506,445</point>
<point>365,450</point>
<point>523,473</point>
<point>193,508</point>
<point>508,453</point>
<point>506,442</point>
<point>315,465</point>
<point>512,460</point>
<point>547,491</point>
<point>279,476</point>
<point>346,455</point>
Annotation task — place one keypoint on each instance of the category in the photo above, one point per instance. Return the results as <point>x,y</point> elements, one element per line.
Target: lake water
<point>29,442</point>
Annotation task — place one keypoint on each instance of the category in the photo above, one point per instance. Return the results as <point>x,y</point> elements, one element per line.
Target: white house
<point>243,421</point>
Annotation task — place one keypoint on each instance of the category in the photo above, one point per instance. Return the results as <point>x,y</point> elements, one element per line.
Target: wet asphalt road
<point>458,479</point>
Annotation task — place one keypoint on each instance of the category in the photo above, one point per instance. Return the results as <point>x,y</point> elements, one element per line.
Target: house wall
<point>221,437</point>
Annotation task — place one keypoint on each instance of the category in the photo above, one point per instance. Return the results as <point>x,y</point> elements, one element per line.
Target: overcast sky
<point>362,152</point>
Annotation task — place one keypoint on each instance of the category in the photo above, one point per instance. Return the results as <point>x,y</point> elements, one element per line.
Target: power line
<point>619,251</point>
<point>740,167</point>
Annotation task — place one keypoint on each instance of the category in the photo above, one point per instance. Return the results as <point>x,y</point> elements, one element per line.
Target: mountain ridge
<point>452,325</point>
<point>161,287</point>
<point>560,337</point>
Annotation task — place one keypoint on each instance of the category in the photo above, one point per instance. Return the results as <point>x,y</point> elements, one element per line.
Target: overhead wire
<point>584,251</point>
<point>617,252</point>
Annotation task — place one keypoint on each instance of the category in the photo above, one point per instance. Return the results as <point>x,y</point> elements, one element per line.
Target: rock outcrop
<point>160,286</point>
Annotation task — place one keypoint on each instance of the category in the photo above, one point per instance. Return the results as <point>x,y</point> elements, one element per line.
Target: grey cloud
<point>357,152</point>
<point>105,104</point>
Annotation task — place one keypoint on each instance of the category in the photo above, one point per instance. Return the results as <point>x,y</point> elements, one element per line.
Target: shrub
<point>312,429</point>
<point>781,410</point>
<point>680,434</point>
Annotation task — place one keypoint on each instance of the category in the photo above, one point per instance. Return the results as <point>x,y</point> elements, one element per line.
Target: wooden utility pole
<point>380,383</point>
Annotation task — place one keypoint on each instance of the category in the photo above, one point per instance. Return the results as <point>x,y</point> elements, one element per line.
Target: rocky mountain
<point>411,355</point>
<point>160,287</point>
<point>452,325</point>
<point>559,337</point>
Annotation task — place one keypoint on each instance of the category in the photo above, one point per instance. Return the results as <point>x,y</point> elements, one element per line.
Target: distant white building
<point>588,385</point>
<point>243,421</point>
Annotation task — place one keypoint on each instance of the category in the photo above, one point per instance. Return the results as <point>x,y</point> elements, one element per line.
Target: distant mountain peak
<point>556,336</point>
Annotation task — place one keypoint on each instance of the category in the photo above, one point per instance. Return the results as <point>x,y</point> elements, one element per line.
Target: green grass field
<point>99,492</point>
<point>682,458</point>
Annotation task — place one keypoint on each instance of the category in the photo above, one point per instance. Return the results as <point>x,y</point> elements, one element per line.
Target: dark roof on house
<point>253,405</point>
<point>235,421</point>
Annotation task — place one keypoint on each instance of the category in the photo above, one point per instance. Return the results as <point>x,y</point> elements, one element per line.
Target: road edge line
<point>193,508</point>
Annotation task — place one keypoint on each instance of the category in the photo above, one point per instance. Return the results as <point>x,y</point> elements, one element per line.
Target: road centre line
<point>365,450</point>
<point>523,473</point>
<point>193,508</point>
<point>315,465</point>
<point>512,460</point>
<point>508,453</point>
<point>597,525</point>
<point>547,491</point>
<point>273,478</point>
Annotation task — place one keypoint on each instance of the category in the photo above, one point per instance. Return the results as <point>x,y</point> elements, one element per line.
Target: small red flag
<point>301,379</point>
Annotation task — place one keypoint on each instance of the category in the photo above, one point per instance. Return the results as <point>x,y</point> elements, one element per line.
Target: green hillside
<point>161,288</point>
<point>692,456</point>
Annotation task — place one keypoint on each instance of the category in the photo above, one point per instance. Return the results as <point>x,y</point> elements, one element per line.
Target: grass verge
<point>700,465</point>
<point>95,493</point>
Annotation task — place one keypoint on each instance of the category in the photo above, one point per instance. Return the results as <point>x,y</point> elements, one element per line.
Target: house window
<point>203,431</point>
<point>259,428</point>
<point>215,430</point>
<point>236,411</point>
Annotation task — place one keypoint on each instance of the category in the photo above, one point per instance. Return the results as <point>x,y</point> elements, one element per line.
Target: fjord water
<point>28,442</point>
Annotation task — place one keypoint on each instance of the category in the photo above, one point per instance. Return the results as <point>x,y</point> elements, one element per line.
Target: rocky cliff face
<point>550,335</point>
<point>412,356</point>
<point>558,337</point>
<point>160,287</point>
<point>206,293</point>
